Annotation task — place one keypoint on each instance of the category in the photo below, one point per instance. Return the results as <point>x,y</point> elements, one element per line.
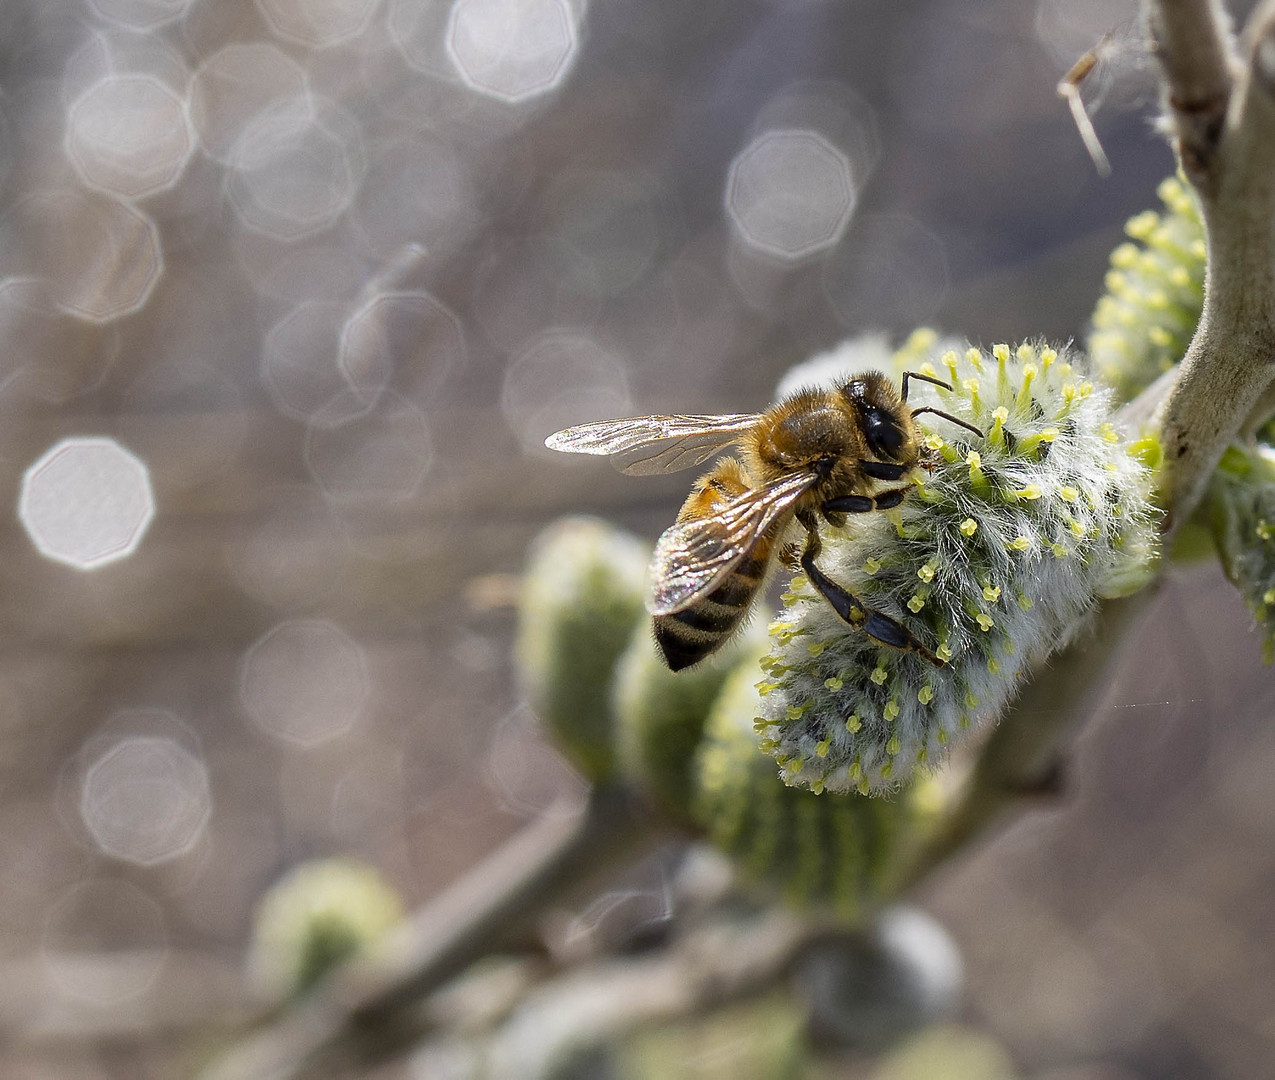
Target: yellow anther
<point>991,593</point>
<point>984,621</point>
<point>891,709</point>
<point>968,527</point>
<point>879,675</point>
<point>834,684</point>
<point>853,723</point>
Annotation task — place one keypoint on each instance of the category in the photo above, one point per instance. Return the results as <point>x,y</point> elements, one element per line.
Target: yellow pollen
<point>926,573</point>
<point>916,603</point>
<point>1069,493</point>
<point>1031,491</point>
<point>968,527</point>
<point>991,593</point>
<point>1020,543</point>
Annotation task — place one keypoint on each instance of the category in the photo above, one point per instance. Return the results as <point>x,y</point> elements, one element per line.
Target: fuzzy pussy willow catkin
<point>994,561</point>
<point>1154,293</point>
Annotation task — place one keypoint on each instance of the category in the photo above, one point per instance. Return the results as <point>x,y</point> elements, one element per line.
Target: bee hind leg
<point>878,627</point>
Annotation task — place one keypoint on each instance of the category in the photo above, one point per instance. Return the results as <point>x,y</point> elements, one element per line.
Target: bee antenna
<point>949,416</point>
<point>924,378</point>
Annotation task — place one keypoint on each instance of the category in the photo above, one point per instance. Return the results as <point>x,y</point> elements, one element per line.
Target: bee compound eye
<point>884,435</point>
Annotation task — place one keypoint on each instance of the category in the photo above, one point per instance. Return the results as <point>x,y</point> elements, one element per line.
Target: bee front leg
<point>878,627</point>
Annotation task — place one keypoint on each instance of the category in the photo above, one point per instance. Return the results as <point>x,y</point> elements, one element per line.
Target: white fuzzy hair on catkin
<point>993,562</point>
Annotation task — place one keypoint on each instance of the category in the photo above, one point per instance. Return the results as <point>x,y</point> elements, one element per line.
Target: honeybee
<point>818,454</point>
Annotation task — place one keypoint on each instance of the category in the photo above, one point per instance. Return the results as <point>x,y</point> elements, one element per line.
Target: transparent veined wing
<point>649,445</point>
<point>692,558</point>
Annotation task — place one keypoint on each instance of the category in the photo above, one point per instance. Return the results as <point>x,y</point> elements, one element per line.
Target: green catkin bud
<point>660,714</point>
<point>582,596</point>
<point>1242,507</point>
<point>1155,292</point>
<point>826,851</point>
<point>1015,544</point>
<point>318,916</point>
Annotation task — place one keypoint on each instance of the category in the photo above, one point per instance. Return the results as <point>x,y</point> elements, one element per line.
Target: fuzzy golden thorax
<point>836,431</point>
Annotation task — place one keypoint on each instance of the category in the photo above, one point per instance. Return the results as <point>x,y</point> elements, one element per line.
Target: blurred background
<point>291,292</point>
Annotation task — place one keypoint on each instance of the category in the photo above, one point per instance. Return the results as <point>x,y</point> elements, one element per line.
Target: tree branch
<point>366,1010</point>
<point>1192,41</point>
<point>1231,360</point>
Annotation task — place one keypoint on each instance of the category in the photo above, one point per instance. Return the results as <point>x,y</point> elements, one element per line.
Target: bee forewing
<point>648,445</point>
<point>692,558</point>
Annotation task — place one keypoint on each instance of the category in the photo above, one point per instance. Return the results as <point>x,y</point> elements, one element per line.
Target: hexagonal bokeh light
<point>304,682</point>
<point>98,256</point>
<point>790,193</point>
<point>87,502</point>
<point>146,800</point>
<point>139,14</point>
<point>297,167</point>
<point>512,50</point>
<point>128,134</point>
<point>317,23</point>
<point>235,84</point>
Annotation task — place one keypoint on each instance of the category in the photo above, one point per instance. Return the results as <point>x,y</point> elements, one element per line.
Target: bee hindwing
<point>648,445</point>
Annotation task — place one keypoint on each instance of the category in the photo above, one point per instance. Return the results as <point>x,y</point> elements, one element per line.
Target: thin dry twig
<point>1069,91</point>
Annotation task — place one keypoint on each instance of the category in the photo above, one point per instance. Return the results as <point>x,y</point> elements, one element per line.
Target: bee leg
<point>879,627</point>
<point>864,504</point>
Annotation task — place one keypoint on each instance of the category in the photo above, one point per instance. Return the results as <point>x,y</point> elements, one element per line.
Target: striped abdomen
<point>687,636</point>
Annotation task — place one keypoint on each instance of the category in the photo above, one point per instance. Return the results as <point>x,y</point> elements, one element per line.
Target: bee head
<point>877,404</point>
